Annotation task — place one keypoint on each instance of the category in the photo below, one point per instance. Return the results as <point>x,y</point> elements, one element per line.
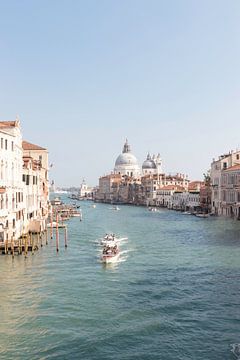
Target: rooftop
<point>233,168</point>
<point>28,146</point>
<point>5,124</point>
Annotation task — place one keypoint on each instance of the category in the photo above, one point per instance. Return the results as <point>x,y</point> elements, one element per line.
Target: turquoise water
<point>173,295</point>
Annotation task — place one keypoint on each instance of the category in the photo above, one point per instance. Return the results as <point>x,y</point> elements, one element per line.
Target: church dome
<point>126,163</point>
<point>149,163</point>
<point>126,159</point>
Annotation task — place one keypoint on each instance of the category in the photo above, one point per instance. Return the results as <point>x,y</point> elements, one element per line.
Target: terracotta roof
<point>8,124</point>
<point>28,146</point>
<point>233,168</point>
<point>172,187</point>
<point>195,185</point>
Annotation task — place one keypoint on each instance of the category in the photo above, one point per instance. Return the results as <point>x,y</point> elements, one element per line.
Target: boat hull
<point>109,259</point>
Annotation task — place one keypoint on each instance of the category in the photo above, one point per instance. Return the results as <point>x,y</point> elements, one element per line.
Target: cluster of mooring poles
<point>28,242</point>
<point>32,240</point>
<point>58,225</point>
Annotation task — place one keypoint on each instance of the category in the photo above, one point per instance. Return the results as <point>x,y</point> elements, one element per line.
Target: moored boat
<point>202,215</point>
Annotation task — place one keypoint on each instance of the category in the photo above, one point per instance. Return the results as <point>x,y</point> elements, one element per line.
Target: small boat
<point>153,209</point>
<point>56,201</point>
<point>94,206</point>
<point>75,214</point>
<point>116,208</point>
<point>54,225</point>
<point>111,238</point>
<point>200,215</point>
<point>110,254</point>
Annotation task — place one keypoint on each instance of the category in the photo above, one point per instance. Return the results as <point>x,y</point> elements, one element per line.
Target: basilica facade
<point>126,164</point>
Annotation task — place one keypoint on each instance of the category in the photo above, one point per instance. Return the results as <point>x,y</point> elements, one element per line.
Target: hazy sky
<point>84,75</point>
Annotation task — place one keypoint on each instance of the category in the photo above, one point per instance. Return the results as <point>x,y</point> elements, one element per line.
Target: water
<point>173,295</point>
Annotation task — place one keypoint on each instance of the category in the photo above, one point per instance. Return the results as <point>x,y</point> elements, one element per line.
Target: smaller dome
<point>149,164</point>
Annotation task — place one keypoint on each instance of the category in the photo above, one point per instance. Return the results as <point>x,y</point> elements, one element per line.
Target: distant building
<point>85,190</point>
<point>129,185</point>
<point>126,163</point>
<point>152,165</point>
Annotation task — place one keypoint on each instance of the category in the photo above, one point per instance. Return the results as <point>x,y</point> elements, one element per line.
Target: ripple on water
<point>174,294</point>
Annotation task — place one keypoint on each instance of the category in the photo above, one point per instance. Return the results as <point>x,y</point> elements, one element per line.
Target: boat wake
<point>236,350</point>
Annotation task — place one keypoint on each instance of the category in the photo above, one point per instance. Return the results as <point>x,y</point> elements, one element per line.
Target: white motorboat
<point>116,208</point>
<point>76,214</point>
<point>153,209</point>
<point>111,238</point>
<point>56,201</point>
<point>55,225</point>
<point>110,254</point>
<point>202,215</point>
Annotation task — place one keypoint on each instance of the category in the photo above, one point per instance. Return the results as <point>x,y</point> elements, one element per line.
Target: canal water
<point>173,295</point>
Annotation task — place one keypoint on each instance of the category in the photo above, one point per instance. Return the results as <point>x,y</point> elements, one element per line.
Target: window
<point>1,143</point>
<point>5,144</point>
<point>27,179</point>
<point>12,146</point>
<point>237,156</point>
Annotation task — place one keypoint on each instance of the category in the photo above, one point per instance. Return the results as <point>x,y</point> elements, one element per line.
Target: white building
<point>152,165</point>
<point>11,185</point>
<point>37,191</point>
<point>126,163</point>
<point>85,190</point>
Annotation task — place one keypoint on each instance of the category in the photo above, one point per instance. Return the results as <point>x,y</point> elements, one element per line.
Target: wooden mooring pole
<point>12,247</point>
<point>57,234</point>
<point>46,235</point>
<point>51,228</point>
<point>65,237</point>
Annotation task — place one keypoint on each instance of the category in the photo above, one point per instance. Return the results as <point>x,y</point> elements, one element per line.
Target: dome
<point>149,163</point>
<point>126,163</point>
<point>126,159</point>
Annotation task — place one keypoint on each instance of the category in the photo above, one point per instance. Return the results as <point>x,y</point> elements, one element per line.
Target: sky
<point>82,76</point>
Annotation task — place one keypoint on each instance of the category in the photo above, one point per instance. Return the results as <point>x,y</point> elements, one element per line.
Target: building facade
<point>220,167</point>
<point>23,184</point>
<point>11,185</point>
<point>126,163</point>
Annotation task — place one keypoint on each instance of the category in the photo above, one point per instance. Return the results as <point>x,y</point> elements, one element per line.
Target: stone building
<point>23,183</point>
<point>11,186</point>
<point>128,185</point>
<point>218,167</point>
<point>230,192</point>
<point>126,163</point>
<point>37,191</point>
